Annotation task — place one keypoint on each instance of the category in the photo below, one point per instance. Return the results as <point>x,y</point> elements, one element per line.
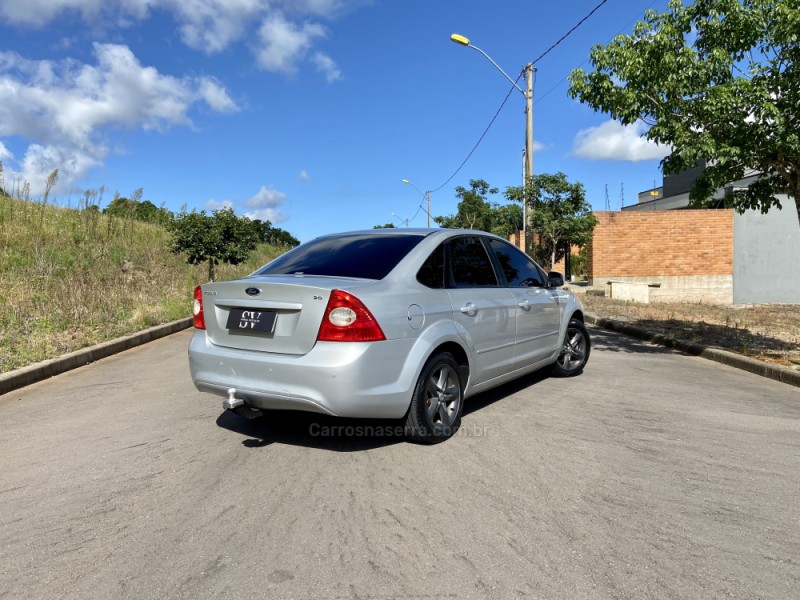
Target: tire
<point>437,402</point>
<point>574,351</point>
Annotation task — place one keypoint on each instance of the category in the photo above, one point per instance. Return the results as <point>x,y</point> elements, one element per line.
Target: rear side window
<point>431,273</point>
<point>520,271</point>
<point>361,255</point>
<point>469,264</point>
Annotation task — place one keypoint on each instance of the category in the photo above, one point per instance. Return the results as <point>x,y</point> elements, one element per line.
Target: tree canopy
<point>274,236</point>
<point>476,211</point>
<point>136,208</point>
<point>560,215</point>
<point>219,237</point>
<point>716,80</point>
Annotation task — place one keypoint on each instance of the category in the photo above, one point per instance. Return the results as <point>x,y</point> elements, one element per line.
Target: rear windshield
<point>366,256</point>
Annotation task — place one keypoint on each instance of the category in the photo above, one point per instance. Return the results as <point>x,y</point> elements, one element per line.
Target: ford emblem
<point>251,291</point>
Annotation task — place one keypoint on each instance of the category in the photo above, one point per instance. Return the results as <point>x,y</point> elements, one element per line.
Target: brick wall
<point>674,243</point>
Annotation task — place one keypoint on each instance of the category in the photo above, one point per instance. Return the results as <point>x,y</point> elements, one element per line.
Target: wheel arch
<point>460,356</point>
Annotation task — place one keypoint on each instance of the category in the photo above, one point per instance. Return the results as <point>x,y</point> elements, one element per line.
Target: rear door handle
<point>470,309</point>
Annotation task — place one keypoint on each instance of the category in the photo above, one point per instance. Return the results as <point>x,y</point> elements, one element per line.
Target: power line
<point>552,89</point>
<point>566,35</point>
<point>480,139</point>
<point>415,214</point>
<point>541,56</point>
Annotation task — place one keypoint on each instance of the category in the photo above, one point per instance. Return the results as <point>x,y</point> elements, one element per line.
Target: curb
<point>48,368</point>
<point>752,365</point>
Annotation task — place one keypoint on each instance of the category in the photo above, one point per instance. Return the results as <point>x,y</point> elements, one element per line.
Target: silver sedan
<point>387,323</point>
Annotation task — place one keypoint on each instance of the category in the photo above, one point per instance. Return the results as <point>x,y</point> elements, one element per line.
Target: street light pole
<point>528,93</point>
<point>426,195</point>
<point>402,221</point>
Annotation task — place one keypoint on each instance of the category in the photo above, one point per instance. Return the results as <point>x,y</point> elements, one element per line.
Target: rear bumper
<point>369,380</point>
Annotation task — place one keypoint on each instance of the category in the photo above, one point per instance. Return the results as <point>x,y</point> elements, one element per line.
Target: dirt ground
<point>766,332</point>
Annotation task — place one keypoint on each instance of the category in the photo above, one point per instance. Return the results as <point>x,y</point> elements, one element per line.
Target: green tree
<point>281,237</point>
<point>579,262</point>
<point>476,211</point>
<point>275,236</point>
<point>219,237</point>
<point>150,213</point>
<point>384,226</point>
<point>559,214</point>
<point>120,207</point>
<point>506,219</point>
<point>141,210</point>
<point>716,80</point>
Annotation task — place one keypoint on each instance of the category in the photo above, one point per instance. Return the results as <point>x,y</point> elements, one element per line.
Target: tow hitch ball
<point>238,406</point>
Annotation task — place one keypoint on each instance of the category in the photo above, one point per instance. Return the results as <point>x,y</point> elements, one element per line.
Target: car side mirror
<point>555,279</point>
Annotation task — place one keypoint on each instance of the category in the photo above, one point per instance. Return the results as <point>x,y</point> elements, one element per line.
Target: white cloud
<point>41,12</point>
<point>64,108</point>
<point>40,161</point>
<point>327,67</point>
<point>5,154</point>
<point>215,96</point>
<point>284,35</point>
<point>304,176</point>
<point>211,25</point>
<point>212,205</point>
<point>283,43</point>
<point>266,205</point>
<point>614,141</point>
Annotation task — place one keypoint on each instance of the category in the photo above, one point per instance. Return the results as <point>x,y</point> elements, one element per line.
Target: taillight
<point>346,319</point>
<point>199,317</point>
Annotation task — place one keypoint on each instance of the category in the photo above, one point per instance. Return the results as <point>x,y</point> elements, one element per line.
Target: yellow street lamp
<point>528,93</point>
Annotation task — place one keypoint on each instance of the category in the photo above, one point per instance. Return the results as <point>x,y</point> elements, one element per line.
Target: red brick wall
<point>668,243</point>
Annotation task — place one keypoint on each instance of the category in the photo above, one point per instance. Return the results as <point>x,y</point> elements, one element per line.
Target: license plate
<point>247,319</point>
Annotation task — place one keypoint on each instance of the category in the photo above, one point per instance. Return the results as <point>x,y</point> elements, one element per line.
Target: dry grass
<point>768,332</point>
<point>64,286</point>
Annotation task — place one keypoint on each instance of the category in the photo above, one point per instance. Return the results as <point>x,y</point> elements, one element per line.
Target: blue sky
<point>309,113</point>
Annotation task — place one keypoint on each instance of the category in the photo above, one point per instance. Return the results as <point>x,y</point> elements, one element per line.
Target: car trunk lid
<point>280,314</point>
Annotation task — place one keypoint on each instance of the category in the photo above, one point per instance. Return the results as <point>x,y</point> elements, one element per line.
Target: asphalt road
<point>652,475</point>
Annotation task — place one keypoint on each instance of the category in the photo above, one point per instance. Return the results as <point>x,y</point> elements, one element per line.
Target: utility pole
<point>530,246</point>
<point>528,93</point>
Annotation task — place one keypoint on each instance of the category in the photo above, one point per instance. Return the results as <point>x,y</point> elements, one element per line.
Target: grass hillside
<point>75,277</point>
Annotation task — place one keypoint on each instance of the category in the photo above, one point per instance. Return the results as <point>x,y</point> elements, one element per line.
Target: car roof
<point>421,231</point>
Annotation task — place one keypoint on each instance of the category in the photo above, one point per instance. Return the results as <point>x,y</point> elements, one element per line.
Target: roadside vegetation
<point>74,276</point>
<point>766,332</point>
<point>716,81</point>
